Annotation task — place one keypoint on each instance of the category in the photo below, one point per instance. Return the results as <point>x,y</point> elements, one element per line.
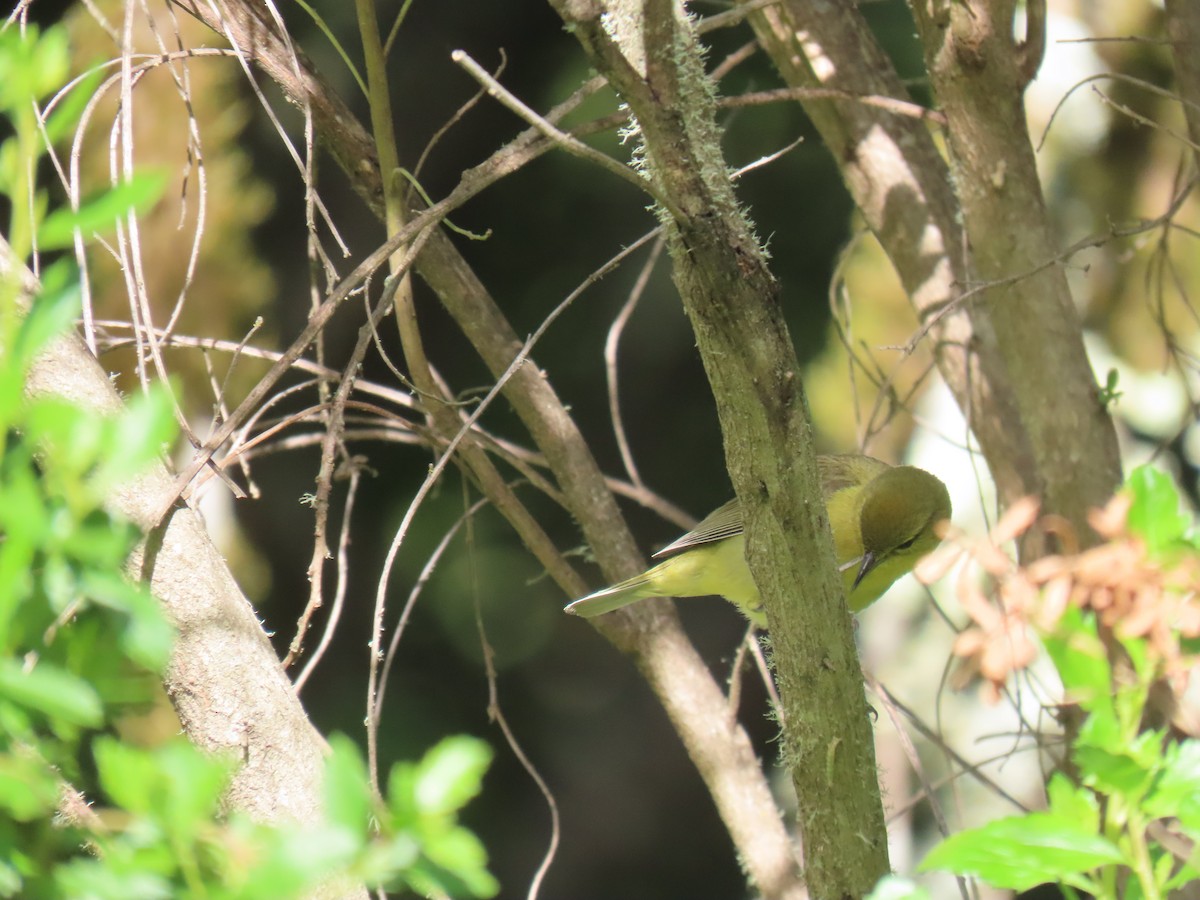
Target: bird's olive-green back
<point>838,473</point>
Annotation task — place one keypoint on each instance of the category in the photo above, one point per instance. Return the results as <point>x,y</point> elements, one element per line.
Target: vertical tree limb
<point>1027,332</point>
<point>651,57</point>
<point>904,188</point>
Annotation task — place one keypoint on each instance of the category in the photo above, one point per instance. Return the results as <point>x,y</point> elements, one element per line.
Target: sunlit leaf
<point>28,788</point>
<point>347,794</point>
<point>894,887</point>
<point>1155,515</point>
<point>451,774</point>
<point>1023,851</point>
<point>99,214</point>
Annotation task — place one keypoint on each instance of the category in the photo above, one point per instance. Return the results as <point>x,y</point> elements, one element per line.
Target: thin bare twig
<point>890,104</point>
<point>343,580</point>
<point>376,715</point>
<point>496,714</point>
<point>611,344</point>
<point>572,145</point>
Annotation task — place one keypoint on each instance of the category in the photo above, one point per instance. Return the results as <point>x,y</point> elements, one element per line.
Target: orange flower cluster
<point>1131,593</point>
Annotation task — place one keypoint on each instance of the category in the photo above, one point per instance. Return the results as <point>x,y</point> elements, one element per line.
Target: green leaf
<point>70,107</point>
<point>28,788</point>
<point>894,887</point>
<point>101,880</point>
<point>1073,803</point>
<point>10,879</point>
<point>146,636</point>
<point>430,879</point>
<point>57,694</point>
<point>460,854</point>
<point>347,794</point>
<point>290,862</point>
<point>1155,515</point>
<point>1023,851</point>
<point>32,64</point>
<point>193,782</point>
<point>385,858</point>
<point>401,796</point>
<point>1081,661</point>
<point>50,60</point>
<point>127,774</point>
<point>1176,792</point>
<point>53,312</point>
<point>176,784</point>
<point>98,214</point>
<point>1112,773</point>
<point>137,437</point>
<point>451,773</point>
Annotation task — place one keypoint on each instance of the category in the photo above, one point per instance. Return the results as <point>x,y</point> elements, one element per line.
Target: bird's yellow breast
<point>718,568</point>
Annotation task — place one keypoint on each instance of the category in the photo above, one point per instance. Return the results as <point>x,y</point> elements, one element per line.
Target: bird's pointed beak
<point>868,563</point>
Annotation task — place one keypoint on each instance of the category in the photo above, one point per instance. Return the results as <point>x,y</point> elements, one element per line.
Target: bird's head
<point>899,511</point>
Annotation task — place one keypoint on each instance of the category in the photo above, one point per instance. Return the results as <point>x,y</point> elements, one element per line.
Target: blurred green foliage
<point>80,644</point>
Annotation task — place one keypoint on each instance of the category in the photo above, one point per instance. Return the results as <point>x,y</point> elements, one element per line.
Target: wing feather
<point>837,473</point>
<point>723,522</point>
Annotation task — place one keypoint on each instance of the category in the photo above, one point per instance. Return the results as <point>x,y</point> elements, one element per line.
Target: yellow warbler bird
<point>882,518</point>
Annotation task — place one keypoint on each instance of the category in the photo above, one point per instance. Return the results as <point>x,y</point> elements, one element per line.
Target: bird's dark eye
<point>912,540</point>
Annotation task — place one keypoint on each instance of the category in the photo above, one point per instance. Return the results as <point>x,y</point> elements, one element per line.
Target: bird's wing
<point>724,522</point>
<point>839,472</point>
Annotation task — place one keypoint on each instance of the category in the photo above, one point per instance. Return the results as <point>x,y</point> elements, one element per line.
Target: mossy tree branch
<point>733,302</point>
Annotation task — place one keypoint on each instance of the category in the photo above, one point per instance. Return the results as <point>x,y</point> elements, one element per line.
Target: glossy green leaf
<point>33,63</point>
<point>138,437</point>
<point>175,784</point>
<point>1082,664</point>
<point>291,860</point>
<point>461,853</point>
<point>127,775</point>
<point>1112,773</point>
<point>1023,851</point>
<point>146,635</point>
<point>192,783</point>
<point>1073,803</point>
<point>96,880</point>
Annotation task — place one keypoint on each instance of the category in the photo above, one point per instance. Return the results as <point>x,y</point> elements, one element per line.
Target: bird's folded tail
<point>613,597</point>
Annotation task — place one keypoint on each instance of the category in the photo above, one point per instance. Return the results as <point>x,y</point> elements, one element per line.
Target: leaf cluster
<point>84,812</point>
<point>1126,822</point>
